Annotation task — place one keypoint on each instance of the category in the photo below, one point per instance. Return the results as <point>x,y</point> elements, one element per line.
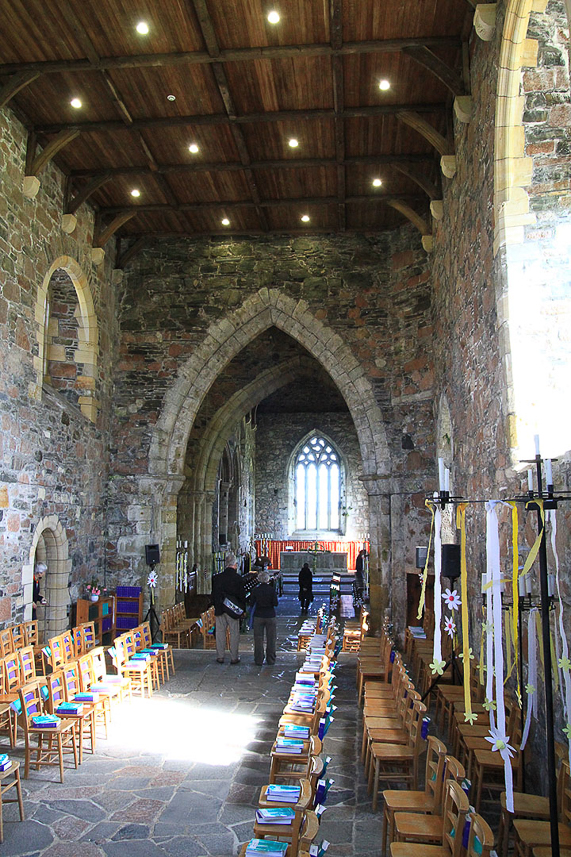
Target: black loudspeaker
<point>451,561</point>
<point>152,554</point>
<point>421,554</point>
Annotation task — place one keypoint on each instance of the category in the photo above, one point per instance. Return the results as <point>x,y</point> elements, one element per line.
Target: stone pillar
<point>378,489</point>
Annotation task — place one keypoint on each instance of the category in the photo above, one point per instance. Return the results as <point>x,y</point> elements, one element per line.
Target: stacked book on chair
<point>289,745</point>
<point>268,847</point>
<point>5,762</point>
<point>283,794</point>
<point>275,815</point>
<point>46,721</point>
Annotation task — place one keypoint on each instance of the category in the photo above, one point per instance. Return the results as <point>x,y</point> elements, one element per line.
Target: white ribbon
<point>437,650</point>
<point>531,673</point>
<point>493,565</point>
<point>566,682</point>
<point>489,630</point>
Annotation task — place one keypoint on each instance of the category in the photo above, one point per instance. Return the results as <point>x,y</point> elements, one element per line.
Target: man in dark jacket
<point>228,591</point>
<point>264,600</point>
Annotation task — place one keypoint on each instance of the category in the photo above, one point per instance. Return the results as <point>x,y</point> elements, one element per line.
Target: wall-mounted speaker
<point>451,561</point>
<point>152,554</point>
<point>421,554</point>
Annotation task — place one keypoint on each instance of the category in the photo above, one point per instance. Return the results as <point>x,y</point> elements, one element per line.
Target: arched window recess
<point>317,475</point>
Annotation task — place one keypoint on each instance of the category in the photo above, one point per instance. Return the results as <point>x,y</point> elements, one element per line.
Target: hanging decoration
<point>469,716</point>
<point>437,665</point>
<point>563,662</point>
<point>429,505</point>
<point>531,686</point>
<point>152,579</point>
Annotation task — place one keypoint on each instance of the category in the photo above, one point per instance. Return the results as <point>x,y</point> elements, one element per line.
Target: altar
<point>292,561</point>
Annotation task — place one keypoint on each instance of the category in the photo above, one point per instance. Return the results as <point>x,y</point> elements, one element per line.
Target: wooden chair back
<point>27,660</point>
<point>99,666</point>
<point>433,775</point>
<point>71,681</point>
<point>138,638</point>
<point>481,838</point>
<point>86,672</point>
<point>31,633</point>
<point>147,636</point>
<point>564,793</point>
<point>77,641</point>
<point>31,703</point>
<point>6,642</point>
<point>18,637</point>
<point>68,644</point>
<point>89,640</point>
<point>12,673</point>
<point>56,690</point>
<point>56,658</point>
<point>456,807</point>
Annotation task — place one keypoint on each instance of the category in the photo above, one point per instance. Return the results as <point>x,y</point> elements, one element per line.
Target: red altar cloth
<point>276,547</point>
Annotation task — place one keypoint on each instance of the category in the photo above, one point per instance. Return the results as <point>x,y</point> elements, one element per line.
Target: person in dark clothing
<point>305,588</point>
<point>228,586</point>
<point>37,598</point>
<point>264,600</point>
<point>359,573</point>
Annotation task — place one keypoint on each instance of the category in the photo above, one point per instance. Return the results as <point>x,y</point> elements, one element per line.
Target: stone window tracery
<point>317,486</point>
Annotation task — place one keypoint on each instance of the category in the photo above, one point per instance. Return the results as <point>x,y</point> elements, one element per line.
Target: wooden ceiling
<point>242,89</point>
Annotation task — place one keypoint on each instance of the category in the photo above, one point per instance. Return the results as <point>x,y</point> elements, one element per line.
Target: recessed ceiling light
<point>171,97</point>
<point>274,17</point>
<point>142,28</point>
<point>193,148</point>
<point>293,143</point>
<point>76,102</point>
<point>305,218</point>
<point>225,222</point>
<point>135,192</point>
<point>384,84</point>
<point>377,182</point>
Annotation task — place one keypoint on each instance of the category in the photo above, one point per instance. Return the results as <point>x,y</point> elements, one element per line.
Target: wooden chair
<point>50,744</point>
<point>207,629</point>
<point>139,672</point>
<point>531,834</point>
<point>409,826</point>
<point>487,768</point>
<point>27,664</point>
<point>165,652</point>
<point>304,800</point>
<point>452,827</point>
<point>7,783</point>
<point>397,763</point>
<point>88,638</point>
<point>531,806</point>
<point>480,839</point>
<point>400,800</point>
<point>296,767</point>
<point>87,678</point>
<point>375,668</point>
<point>72,686</point>
<point>157,667</point>
<point>300,833</point>
<point>388,731</point>
<point>176,635</point>
<point>32,638</point>
<point>85,720</point>
<point>78,641</point>
<point>18,636</point>
<point>8,695</point>
<point>6,642</point>
<point>68,645</point>
<point>119,685</point>
<point>54,653</point>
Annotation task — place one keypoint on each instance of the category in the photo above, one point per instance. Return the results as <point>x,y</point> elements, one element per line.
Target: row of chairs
<point>305,769</point>
<point>177,629</point>
<point>17,636</point>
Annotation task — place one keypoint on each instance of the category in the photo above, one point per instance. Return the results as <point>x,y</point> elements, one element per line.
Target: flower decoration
<point>529,688</point>
<point>470,654</point>
<point>500,743</point>
<point>450,627</point>
<point>451,599</point>
<point>567,731</point>
<point>93,589</point>
<point>470,718</point>
<point>489,704</point>
<point>564,663</point>
<point>152,579</point>
<point>437,667</point>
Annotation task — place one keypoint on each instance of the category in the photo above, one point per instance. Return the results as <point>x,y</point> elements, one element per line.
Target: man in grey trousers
<point>228,592</point>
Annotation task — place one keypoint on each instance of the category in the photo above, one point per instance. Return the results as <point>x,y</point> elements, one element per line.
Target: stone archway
<point>223,341</point>
<point>88,335</point>
<point>49,545</point>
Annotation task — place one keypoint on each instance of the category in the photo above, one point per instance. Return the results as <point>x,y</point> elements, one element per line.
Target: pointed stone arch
<point>50,545</point>
<point>88,335</point>
<point>226,338</point>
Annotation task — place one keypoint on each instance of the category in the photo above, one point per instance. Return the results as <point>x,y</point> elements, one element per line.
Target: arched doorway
<point>49,546</point>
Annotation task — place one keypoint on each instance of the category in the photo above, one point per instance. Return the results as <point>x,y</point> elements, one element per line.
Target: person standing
<point>305,588</point>
<point>229,598</point>
<point>264,601</point>
<point>360,573</point>
<point>37,599</point>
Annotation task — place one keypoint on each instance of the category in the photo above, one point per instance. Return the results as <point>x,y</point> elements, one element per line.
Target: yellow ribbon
<point>481,664</point>
<point>535,549</point>
<point>429,505</point>
<point>461,524</point>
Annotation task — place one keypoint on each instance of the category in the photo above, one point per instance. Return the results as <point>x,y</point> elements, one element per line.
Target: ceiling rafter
<point>217,166</point>
<point>37,162</point>
<point>209,35</point>
<point>84,194</point>
<point>428,131</point>
<point>421,179</point>
<point>265,203</point>
<point>111,125</point>
<point>13,86</point>
<point>446,75</point>
<point>237,55</point>
<point>103,235</point>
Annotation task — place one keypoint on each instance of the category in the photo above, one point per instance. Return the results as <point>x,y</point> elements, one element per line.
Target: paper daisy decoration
<point>152,579</point>
<point>450,627</point>
<point>451,599</point>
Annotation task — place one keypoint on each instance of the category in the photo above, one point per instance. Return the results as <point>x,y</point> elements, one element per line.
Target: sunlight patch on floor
<point>179,730</point>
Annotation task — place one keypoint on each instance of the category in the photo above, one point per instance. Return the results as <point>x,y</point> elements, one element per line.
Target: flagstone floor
<point>180,774</point>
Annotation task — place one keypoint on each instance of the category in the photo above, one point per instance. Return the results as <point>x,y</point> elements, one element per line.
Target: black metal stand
<point>153,621</point>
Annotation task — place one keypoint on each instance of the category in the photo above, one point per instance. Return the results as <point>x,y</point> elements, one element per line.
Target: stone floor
<point>180,774</point>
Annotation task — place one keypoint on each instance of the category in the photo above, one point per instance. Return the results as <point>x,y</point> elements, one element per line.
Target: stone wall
<point>277,436</point>
<point>53,459</point>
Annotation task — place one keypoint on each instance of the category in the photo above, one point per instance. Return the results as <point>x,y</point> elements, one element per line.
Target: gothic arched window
<point>317,478</point>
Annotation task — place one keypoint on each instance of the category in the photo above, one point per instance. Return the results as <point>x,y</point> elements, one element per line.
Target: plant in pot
<point>94,590</point>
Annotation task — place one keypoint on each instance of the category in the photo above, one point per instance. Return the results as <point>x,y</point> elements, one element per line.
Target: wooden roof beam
<point>420,179</point>
<point>221,167</point>
<point>336,32</point>
<point>411,215</point>
<point>13,86</point>
<point>103,236</point>
<point>111,125</point>
<point>133,250</point>
<point>428,60</point>
<point>236,55</point>
<point>428,131</point>
<point>86,192</point>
